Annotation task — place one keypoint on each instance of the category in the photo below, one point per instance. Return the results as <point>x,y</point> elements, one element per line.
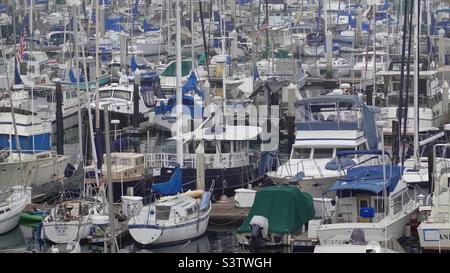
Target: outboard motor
<point>69,170</point>
<point>259,227</point>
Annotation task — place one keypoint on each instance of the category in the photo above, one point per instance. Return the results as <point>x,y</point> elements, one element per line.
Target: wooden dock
<point>226,213</point>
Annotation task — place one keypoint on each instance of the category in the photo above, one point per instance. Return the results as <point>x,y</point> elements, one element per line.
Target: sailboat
<point>175,217</point>
<point>172,219</point>
<point>12,203</point>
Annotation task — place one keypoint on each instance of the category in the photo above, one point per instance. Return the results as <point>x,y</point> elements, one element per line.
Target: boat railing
<point>288,168</point>
<point>158,160</point>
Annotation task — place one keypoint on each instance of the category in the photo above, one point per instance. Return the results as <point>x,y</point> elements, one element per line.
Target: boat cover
<point>171,187</point>
<point>286,208</point>
<point>369,178</point>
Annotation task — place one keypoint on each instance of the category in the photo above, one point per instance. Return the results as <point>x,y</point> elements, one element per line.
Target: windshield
<point>119,94</point>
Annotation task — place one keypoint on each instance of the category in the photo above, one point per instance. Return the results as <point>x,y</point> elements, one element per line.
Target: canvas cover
<point>286,208</point>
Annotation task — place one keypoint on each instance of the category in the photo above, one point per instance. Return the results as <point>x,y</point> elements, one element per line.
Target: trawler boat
<point>325,126</point>
<point>373,199</point>
<point>434,230</point>
<point>119,98</point>
<point>226,155</point>
<point>430,102</point>
<point>12,203</point>
<point>364,64</point>
<point>38,164</point>
<point>127,170</point>
<point>341,68</point>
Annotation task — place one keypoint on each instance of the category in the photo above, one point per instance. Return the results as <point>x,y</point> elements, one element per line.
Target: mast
<point>80,129</point>
<point>416,86</point>
<point>192,36</point>
<point>97,65</point>
<point>178,87</point>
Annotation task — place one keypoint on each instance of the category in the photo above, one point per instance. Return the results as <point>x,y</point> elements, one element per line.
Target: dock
<point>226,213</point>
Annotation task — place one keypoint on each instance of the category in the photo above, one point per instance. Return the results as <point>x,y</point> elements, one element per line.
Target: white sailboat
<point>179,217</point>
<point>12,203</point>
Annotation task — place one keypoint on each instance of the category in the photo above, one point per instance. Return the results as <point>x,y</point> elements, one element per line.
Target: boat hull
<point>434,236</point>
<point>65,232</point>
<point>226,180</point>
<point>9,223</point>
<point>155,235</point>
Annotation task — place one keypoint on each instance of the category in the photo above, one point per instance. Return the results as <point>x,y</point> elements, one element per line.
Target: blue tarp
<point>72,76</point>
<point>339,164</point>
<point>369,178</point>
<point>133,65</point>
<point>171,187</point>
<point>269,162</point>
<point>191,83</point>
<point>147,27</point>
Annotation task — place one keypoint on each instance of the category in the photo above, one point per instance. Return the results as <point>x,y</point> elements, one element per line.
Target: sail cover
<point>173,186</point>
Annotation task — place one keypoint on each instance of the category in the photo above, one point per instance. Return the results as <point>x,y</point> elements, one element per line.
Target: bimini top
<point>369,178</point>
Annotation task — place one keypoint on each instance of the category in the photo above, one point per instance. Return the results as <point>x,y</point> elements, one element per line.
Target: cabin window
<point>225,147</point>
<point>162,213</point>
<point>189,211</point>
<point>210,147</point>
<point>1,211</point>
<point>379,204</point>
<point>192,146</point>
<point>362,147</point>
<point>301,153</point>
<point>122,95</point>
<point>106,94</point>
<point>323,153</point>
<point>7,209</point>
<point>343,150</point>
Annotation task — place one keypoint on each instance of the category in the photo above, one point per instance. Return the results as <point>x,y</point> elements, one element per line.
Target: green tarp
<point>170,71</point>
<point>286,207</point>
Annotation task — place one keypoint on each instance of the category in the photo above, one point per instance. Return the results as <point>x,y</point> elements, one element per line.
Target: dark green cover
<point>286,207</point>
<point>171,71</point>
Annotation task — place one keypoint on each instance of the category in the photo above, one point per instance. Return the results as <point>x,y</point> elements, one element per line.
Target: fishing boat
<point>278,212</point>
<point>326,125</point>
<point>38,164</point>
<point>120,101</point>
<point>372,198</point>
<point>127,171</point>
<point>172,219</point>
<point>227,159</point>
<point>12,203</point>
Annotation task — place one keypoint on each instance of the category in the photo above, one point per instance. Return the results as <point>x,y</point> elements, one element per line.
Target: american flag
<point>264,26</point>
<point>22,47</point>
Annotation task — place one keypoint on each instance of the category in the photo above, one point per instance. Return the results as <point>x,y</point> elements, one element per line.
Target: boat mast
<point>97,65</point>
<point>31,23</point>
<point>178,87</point>
<point>80,129</point>
<point>416,86</point>
<point>192,35</point>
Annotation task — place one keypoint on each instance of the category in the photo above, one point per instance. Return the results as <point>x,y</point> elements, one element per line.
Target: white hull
<point>160,235</point>
<point>65,232</point>
<point>10,223</point>
<point>12,209</point>
<point>434,236</point>
<point>313,51</point>
<point>388,228</point>
<point>39,172</point>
